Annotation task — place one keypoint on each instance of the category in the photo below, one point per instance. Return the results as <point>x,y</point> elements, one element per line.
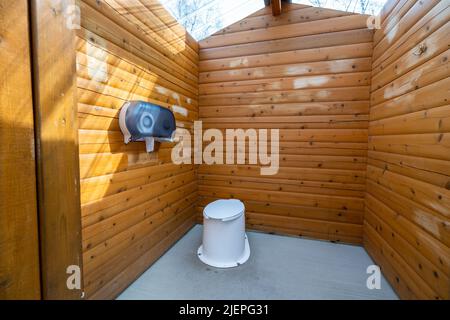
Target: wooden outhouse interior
<point>363,116</point>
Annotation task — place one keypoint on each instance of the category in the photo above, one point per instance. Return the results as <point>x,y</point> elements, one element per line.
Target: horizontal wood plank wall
<point>307,73</point>
<point>407,219</point>
<point>134,205</point>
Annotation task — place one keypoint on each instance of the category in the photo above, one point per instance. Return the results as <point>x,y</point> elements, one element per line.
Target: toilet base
<point>243,259</point>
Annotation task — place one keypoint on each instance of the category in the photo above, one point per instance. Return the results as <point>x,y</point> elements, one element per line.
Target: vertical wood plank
<point>19,251</point>
<point>276,7</point>
<point>58,164</point>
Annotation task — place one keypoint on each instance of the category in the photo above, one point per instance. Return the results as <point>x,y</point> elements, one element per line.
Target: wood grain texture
<point>264,19</point>
<point>407,219</point>
<point>134,205</point>
<point>310,78</point>
<point>19,244</point>
<point>276,7</point>
<point>57,140</point>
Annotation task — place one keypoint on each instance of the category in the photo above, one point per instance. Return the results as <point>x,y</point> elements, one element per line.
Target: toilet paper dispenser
<point>144,121</point>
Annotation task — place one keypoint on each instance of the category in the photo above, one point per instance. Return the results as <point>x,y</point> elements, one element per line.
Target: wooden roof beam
<point>276,7</point>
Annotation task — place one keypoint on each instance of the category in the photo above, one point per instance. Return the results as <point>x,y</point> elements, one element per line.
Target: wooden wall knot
<point>420,50</point>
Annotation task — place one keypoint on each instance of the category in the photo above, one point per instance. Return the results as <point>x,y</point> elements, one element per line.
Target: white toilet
<point>225,244</point>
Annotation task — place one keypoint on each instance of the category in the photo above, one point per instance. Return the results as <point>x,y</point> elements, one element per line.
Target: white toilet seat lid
<point>224,209</point>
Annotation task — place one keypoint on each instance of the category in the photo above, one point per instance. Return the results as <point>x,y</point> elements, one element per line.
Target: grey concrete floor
<point>279,268</point>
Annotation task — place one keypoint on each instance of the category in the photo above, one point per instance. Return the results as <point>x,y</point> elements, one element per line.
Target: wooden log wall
<point>407,219</point>
<point>363,131</point>
<point>134,205</point>
<point>306,72</point>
